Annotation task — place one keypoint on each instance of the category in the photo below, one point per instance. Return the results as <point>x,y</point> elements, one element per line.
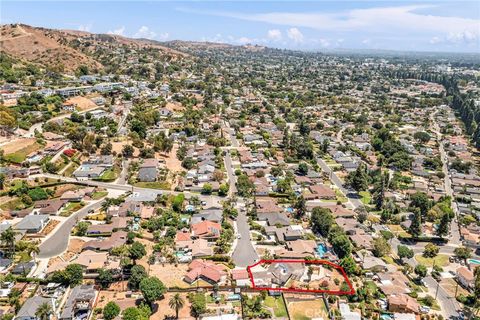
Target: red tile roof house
<point>206,230</point>
<point>320,191</point>
<point>465,277</point>
<point>241,277</point>
<point>206,270</point>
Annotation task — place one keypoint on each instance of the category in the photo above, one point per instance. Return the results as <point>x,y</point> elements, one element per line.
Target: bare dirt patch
<point>163,309</point>
<point>171,275</point>
<point>49,227</point>
<point>17,145</point>
<point>301,308</point>
<point>82,103</point>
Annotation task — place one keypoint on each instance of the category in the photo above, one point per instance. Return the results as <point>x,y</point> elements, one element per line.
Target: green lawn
<point>21,155</point>
<point>276,303</point>
<point>366,197</point>
<point>99,194</point>
<point>69,171</point>
<point>71,208</point>
<point>440,260</point>
<point>154,185</point>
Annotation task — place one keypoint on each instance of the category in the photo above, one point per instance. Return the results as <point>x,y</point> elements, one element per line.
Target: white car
<point>239,236</point>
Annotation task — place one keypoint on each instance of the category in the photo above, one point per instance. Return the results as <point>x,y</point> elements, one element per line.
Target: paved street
<point>450,306</point>
<point>57,243</point>
<point>352,196</point>
<point>244,253</point>
<point>232,179</point>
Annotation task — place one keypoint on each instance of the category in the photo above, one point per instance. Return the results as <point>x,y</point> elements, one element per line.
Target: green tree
<point>2,180</point>
<point>198,304</point>
<point>127,151</point>
<point>358,179</point>
<point>349,265</point>
<point>152,289</point>
<point>44,311</point>
<point>72,275</point>
<point>303,168</point>
<point>381,247</point>
<point>138,273</point>
<point>105,277</point>
<point>300,207</point>
<point>421,270</point>
<point>111,311</point>
<point>81,229</point>
<point>7,238</point>
<point>142,312</point>
<point>430,250</point>
<point>444,225</point>
<point>342,246</point>
<point>463,252</point>
<point>137,250</point>
<point>176,303</point>
<point>207,188</point>
<point>416,225</point>
<point>404,252</point>
<point>321,221</point>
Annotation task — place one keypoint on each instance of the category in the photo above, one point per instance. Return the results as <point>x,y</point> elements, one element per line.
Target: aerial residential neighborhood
<point>144,179</point>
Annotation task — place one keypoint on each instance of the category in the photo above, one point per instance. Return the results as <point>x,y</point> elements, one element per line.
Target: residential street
<point>244,253</point>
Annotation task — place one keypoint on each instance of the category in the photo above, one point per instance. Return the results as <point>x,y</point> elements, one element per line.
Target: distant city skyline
<point>442,26</point>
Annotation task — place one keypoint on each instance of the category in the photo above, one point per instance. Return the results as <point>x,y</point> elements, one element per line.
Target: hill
<point>67,50</point>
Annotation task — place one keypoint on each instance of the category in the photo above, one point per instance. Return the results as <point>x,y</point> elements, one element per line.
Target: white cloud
<point>274,35</point>
<point>85,27</point>
<point>145,32</point>
<point>163,36</point>
<point>120,31</point>
<point>244,40</point>
<point>393,22</point>
<point>295,35</point>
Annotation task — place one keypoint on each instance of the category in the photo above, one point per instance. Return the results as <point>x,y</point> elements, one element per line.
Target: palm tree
<point>176,303</point>
<point>35,250</point>
<point>8,241</point>
<point>44,311</point>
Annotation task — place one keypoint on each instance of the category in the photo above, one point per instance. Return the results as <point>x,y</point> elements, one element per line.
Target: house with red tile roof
<point>207,271</point>
<point>206,230</point>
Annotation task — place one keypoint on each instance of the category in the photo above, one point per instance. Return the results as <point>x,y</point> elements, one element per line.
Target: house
<point>30,307</point>
<point>274,219</point>
<point>197,247</point>
<point>210,214</point>
<point>49,207</point>
<point>33,223</point>
<point>206,230</point>
<point>117,239</point>
<point>465,277</point>
<point>320,191</point>
<point>23,268</point>
<point>241,277</point>
<point>206,270</point>
<point>403,303</point>
<point>80,303</point>
<point>5,264</point>
<point>148,170</point>
<point>282,272</point>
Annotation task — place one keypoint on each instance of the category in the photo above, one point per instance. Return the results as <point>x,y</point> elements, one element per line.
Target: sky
<point>443,26</point>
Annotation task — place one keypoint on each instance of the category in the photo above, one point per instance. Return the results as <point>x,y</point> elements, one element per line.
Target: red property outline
<point>336,266</point>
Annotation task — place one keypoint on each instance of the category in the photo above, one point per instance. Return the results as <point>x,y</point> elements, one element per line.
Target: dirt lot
<point>171,160</point>
<point>302,309</point>
<point>63,188</point>
<point>118,145</point>
<point>17,145</point>
<point>170,274</point>
<point>49,227</point>
<point>163,308</point>
<point>172,106</point>
<point>119,297</point>
<point>82,103</point>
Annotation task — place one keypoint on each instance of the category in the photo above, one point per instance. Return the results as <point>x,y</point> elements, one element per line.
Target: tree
<point>405,252</point>
<point>138,273</point>
<point>2,180</point>
<point>207,188</point>
<point>300,207</point>
<point>380,247</point>
<point>358,179</point>
<point>416,225</point>
<point>321,221</point>
<point>198,304</point>
<point>111,311</point>
<point>105,277</point>
<point>420,200</point>
<point>137,250</point>
<point>223,190</point>
<point>444,225</point>
<point>142,312</point>
<point>152,289</point>
<point>349,265</point>
<point>421,270</point>
<point>72,275</point>
<point>7,238</point>
<point>82,228</point>
<point>422,136</point>
<point>342,246</point>
<point>127,151</point>
<point>245,187</point>
<point>463,252</point>
<point>44,311</point>
<point>176,303</point>
<point>430,250</point>
<point>302,168</point>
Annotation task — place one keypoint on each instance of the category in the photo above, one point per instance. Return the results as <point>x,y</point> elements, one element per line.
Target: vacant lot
<point>82,103</point>
<point>163,309</point>
<point>170,274</point>
<point>18,150</point>
<point>306,309</point>
<point>440,260</point>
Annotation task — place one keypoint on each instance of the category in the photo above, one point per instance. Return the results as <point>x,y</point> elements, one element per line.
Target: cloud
<point>145,32</point>
<point>295,35</point>
<point>120,31</point>
<point>385,22</point>
<point>84,27</point>
<point>274,35</point>
<point>163,36</point>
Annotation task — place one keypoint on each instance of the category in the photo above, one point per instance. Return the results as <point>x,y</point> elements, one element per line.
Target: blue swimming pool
<point>321,250</point>
<point>474,261</point>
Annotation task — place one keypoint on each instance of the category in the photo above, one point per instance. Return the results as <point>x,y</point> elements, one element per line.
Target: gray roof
<point>147,174</point>
<point>274,218</point>
<point>214,215</point>
<point>31,305</point>
<point>32,222</point>
<point>79,293</point>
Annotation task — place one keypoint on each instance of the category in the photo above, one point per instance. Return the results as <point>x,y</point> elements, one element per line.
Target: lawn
<point>108,175</point>
<point>69,171</point>
<point>276,303</point>
<point>308,309</point>
<point>440,260</point>
<point>99,194</point>
<point>398,230</point>
<point>20,155</point>
<point>163,185</point>
<point>71,208</point>
<point>366,197</point>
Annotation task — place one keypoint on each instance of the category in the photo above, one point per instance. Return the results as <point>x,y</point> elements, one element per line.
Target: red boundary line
<point>334,292</point>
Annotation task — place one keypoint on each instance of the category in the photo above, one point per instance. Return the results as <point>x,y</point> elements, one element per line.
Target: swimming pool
<point>321,250</point>
<point>474,261</point>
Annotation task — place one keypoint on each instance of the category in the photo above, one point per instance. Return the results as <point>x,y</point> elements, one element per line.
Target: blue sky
<point>312,25</point>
